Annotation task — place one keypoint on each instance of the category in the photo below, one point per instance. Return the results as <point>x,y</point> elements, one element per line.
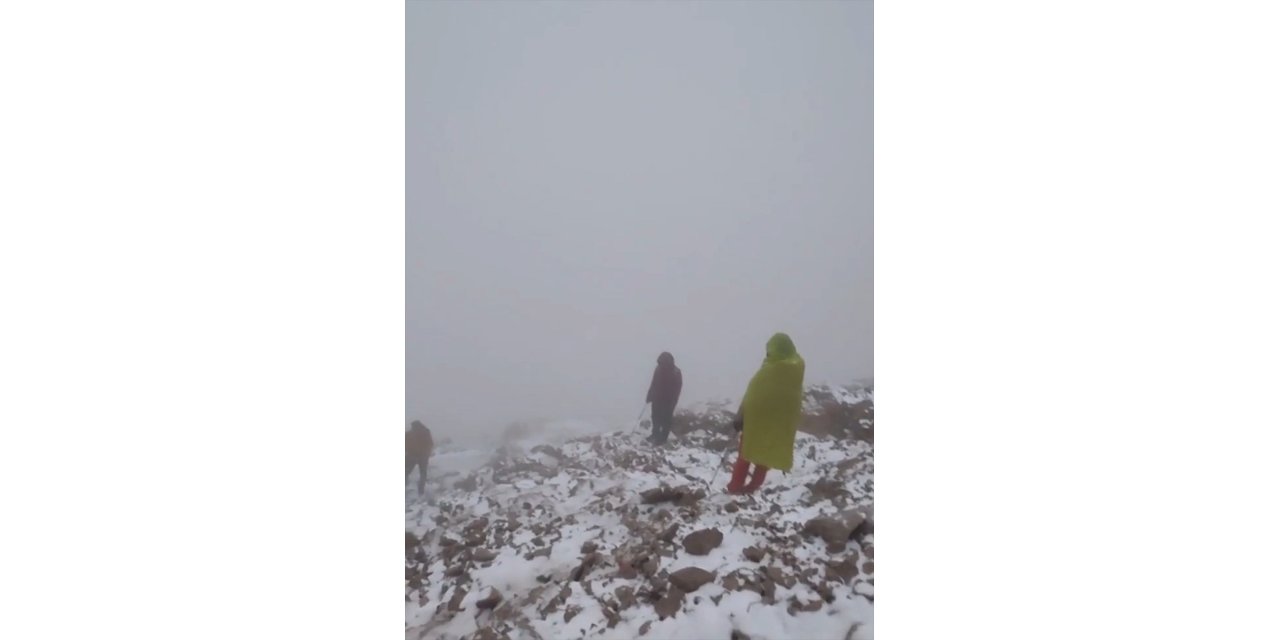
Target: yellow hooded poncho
<point>771,408</point>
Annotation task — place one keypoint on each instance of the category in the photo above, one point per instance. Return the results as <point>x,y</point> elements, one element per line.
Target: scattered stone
<point>827,528</point>
<point>454,571</point>
<point>835,531</point>
<point>489,633</point>
<point>549,608</point>
<point>738,635</point>
<point>690,579</point>
<point>827,489</point>
<point>411,542</point>
<point>659,495</point>
<point>483,555</point>
<point>489,602</point>
<point>794,606</point>
<point>571,611</point>
<point>869,568</point>
<point>626,571</point>
<point>669,534</point>
<point>477,525</point>
<point>869,551</point>
<point>584,567</point>
<point>650,566</point>
<point>683,496</point>
<point>626,596</point>
<point>754,554</point>
<point>455,603</point>
<point>864,529</point>
<point>732,507</point>
<point>544,552</point>
<point>731,583</point>
<point>446,541</point>
<point>689,498</point>
<point>700,543</point>
<point>449,553</point>
<point>644,628</point>
<point>767,590</point>
<point>589,547</point>
<point>777,575</point>
<point>670,604</point>
<point>845,570</point>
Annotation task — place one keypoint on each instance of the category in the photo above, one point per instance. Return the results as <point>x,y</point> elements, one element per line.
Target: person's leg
<point>422,476</point>
<point>757,478</point>
<point>662,422</point>
<point>739,475</point>
<point>408,469</point>
<point>739,471</point>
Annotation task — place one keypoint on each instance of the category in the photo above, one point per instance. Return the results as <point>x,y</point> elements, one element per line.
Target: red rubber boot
<point>739,476</point>
<point>757,478</point>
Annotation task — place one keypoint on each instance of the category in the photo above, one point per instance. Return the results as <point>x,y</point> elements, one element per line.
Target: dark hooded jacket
<point>418,444</point>
<point>664,390</point>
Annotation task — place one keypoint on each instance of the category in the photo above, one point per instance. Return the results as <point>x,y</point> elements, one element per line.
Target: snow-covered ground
<point>556,539</point>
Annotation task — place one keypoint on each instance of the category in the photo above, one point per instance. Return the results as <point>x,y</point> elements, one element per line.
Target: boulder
<point>836,531</point>
<point>669,534</point>
<point>670,604</point>
<point>459,593</point>
<point>489,602</point>
<point>690,579</point>
<point>700,543</point>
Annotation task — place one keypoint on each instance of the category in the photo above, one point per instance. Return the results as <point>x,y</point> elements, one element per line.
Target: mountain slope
<point>606,536</point>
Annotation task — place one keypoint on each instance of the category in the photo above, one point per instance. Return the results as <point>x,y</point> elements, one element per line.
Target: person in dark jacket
<point>418,447</point>
<point>664,392</point>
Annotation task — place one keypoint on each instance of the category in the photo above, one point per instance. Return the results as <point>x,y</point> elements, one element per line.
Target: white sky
<point>589,184</point>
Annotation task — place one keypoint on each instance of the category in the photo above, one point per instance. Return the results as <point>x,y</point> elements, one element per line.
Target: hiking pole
<point>723,458</point>
<point>642,408</point>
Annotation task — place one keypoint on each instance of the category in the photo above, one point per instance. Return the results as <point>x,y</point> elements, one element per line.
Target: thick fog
<point>590,184</point>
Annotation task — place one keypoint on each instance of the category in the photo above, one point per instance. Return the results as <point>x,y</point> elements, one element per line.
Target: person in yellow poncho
<point>769,415</point>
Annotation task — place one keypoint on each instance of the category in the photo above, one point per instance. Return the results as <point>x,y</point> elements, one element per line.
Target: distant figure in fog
<point>769,415</point>
<point>664,392</point>
<point>418,446</point>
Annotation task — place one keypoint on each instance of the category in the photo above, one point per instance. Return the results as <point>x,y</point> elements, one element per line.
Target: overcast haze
<point>589,184</point>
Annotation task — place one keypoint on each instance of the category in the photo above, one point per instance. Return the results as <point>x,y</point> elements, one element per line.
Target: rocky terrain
<point>607,536</point>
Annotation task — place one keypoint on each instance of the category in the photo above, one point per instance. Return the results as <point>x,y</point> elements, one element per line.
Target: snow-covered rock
<point>588,538</point>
